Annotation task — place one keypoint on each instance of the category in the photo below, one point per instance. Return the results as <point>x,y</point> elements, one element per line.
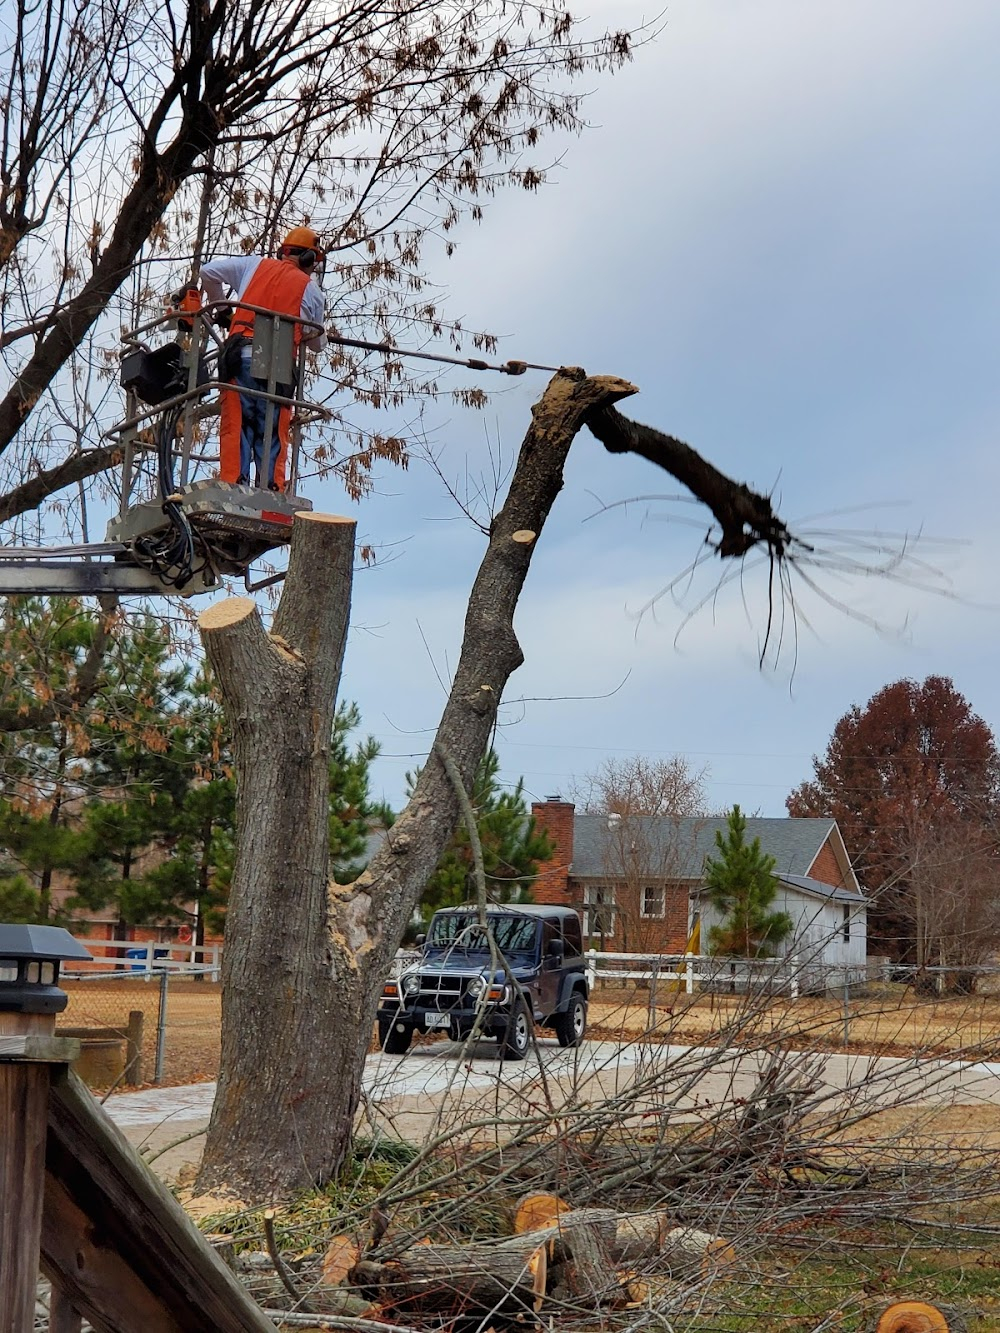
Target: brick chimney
<point>555,816</point>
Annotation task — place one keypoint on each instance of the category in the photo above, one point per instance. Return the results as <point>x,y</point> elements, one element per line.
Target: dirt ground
<point>889,1020</point>
<point>191,1021</point>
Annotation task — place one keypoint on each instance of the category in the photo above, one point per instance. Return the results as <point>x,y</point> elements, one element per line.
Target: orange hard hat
<point>303,238</point>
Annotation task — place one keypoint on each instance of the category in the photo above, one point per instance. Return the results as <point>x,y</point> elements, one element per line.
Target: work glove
<point>223,317</point>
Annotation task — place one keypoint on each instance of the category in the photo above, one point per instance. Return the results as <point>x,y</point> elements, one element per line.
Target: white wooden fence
<point>146,957</point>
<point>689,971</point>
<point>677,972</point>
<point>683,971</point>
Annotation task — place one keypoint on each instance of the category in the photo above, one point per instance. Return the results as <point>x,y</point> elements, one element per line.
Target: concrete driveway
<point>436,1085</point>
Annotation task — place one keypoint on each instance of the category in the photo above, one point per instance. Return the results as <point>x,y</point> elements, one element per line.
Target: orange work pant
<point>235,458</point>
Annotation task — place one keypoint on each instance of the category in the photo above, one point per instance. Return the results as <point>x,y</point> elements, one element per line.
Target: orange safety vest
<point>276,285</point>
<point>279,286</point>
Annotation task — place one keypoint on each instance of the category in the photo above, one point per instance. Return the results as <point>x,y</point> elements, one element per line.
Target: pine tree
<point>353,813</point>
<point>49,694</point>
<point>206,820</point>
<point>741,886</point>
<point>141,770</point>
<point>20,904</point>
<point>512,847</point>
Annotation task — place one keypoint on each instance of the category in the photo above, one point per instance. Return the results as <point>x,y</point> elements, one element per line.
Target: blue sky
<point>782,227</point>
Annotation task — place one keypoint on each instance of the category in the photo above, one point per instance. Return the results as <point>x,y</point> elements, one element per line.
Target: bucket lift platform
<point>179,531</point>
<point>190,531</point>
<point>239,524</point>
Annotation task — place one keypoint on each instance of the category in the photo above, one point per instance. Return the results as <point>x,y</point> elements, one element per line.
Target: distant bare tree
<point>646,863</point>
<point>646,847</point>
<point>948,886</point>
<point>638,785</point>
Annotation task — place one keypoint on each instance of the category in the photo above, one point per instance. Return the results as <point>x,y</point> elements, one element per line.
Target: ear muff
<point>307,258</point>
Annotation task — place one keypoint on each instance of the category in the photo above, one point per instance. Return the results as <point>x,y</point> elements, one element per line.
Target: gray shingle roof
<point>676,848</point>
<point>814,888</point>
<point>818,889</point>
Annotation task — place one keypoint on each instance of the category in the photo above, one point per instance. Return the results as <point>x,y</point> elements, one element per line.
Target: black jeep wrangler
<point>452,988</point>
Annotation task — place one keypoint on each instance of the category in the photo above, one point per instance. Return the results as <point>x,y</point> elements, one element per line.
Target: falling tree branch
<point>746,518</point>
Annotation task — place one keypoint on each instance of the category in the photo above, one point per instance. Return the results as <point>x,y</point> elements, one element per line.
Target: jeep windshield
<point>461,930</point>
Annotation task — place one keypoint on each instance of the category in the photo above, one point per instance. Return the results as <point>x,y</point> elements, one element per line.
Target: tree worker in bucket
<point>285,285</point>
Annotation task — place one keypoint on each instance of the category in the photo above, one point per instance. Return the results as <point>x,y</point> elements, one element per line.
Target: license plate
<point>437,1020</point>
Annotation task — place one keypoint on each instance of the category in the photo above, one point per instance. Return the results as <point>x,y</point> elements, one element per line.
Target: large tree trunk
<point>303,963</point>
<point>281,1098</point>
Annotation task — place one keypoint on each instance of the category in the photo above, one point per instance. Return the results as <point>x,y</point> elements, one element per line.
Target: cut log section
<point>508,1275</point>
<point>639,1235</point>
<point>536,1211</point>
<point>919,1317</point>
<point>688,1252</point>
<point>627,1237</point>
<point>585,1254</point>
<point>583,1243</point>
<point>589,1246</point>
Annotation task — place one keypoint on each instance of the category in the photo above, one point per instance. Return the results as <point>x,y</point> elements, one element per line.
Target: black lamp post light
<point>29,968</point>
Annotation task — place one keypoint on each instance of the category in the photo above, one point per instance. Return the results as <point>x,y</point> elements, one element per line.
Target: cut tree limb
<point>627,1237</point>
<point>587,1247</point>
<point>745,517</point>
<point>509,1274</point>
<point>688,1252</point>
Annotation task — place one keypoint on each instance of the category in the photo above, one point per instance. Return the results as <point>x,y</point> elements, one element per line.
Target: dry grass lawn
<point>192,1020</point>
<point>889,1019</point>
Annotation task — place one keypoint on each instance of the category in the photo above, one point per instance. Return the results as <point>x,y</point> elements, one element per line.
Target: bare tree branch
<point>28,496</point>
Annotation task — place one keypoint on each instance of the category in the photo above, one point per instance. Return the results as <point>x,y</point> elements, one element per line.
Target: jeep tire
<point>571,1025</point>
<point>516,1036</point>
<point>391,1039</point>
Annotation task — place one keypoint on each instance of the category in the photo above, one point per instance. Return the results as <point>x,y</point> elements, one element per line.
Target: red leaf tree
<point>913,780</point>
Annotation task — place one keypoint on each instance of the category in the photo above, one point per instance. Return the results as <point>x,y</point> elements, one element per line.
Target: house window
<point>846,928</point>
<point>599,911</point>
<point>653,901</point>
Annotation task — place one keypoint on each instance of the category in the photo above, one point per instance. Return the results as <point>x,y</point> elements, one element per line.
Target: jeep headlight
<point>476,986</point>
<point>411,983</point>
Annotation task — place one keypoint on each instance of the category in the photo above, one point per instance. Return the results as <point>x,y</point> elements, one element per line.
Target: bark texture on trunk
<point>286,1092</point>
<point>304,962</point>
<point>384,895</point>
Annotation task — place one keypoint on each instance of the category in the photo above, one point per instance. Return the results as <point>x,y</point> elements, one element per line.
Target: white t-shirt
<point>235,272</point>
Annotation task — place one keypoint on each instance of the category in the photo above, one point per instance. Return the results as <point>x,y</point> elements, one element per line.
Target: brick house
<point>636,880</point>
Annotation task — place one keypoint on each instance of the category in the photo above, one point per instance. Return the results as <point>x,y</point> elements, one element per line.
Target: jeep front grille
<point>441,992</point>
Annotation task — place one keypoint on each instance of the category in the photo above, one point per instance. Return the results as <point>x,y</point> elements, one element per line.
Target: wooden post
<point>24,1104</point>
<point>133,1048</point>
<point>63,1316</point>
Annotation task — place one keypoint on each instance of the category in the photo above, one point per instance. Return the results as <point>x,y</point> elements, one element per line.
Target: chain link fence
<point>138,1028</point>
<point>148,1021</point>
